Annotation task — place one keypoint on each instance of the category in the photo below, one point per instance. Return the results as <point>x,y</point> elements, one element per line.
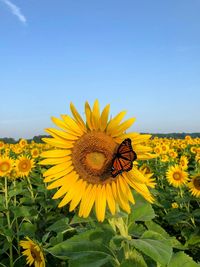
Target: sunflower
<point>175,205</point>
<point>83,157</point>
<point>176,176</point>
<point>35,153</point>
<point>24,165</point>
<point>194,185</point>
<point>146,171</point>
<point>22,143</point>
<point>6,164</point>
<point>33,252</point>
<point>2,145</point>
<point>183,162</point>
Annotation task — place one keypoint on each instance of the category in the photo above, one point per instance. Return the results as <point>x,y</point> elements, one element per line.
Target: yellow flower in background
<point>164,148</point>
<point>150,181</point>
<point>23,143</point>
<point>183,162</point>
<point>24,165</point>
<point>164,158</point>
<point>176,176</point>
<point>194,185</point>
<point>193,149</point>
<point>172,153</point>
<point>82,158</point>
<point>2,145</point>
<point>33,252</point>
<point>6,164</point>
<point>35,152</point>
<point>175,205</point>
<point>158,150</point>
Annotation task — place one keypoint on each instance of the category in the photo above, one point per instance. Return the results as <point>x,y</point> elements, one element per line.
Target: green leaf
<point>135,260</point>
<point>94,259</point>
<point>132,262</point>
<point>174,217</point>
<point>158,229</point>
<point>136,229</point>
<point>141,211</point>
<point>22,211</point>
<point>16,191</point>
<point>155,246</point>
<point>84,244</point>
<point>27,229</point>
<point>59,226</point>
<point>180,259</point>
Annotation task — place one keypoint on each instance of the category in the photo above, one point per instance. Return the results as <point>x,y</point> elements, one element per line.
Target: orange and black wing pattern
<point>123,159</point>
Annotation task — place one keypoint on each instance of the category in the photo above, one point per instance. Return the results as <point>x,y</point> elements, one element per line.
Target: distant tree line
<point>38,138</point>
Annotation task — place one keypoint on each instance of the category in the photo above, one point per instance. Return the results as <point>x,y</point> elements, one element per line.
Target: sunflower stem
<point>8,221</point>
<point>30,188</point>
<point>16,220</point>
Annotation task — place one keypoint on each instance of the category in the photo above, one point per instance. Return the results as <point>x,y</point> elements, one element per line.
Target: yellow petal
<point>122,199</point>
<point>62,125</point>
<point>104,118</point>
<point>100,202</point>
<point>89,201</point>
<point>122,127</point>
<point>61,135</point>
<point>55,153</point>
<point>79,192</point>
<point>69,183</point>
<point>58,143</point>
<point>53,161</point>
<point>88,114</point>
<point>72,125</point>
<point>125,189</point>
<point>96,115</point>
<point>67,198</point>
<point>135,175</point>
<point>113,124</point>
<point>110,199</point>
<point>77,117</point>
<point>142,149</point>
<point>57,168</point>
<point>55,176</point>
<point>140,188</point>
<point>57,183</point>
<point>85,196</point>
<point>136,138</point>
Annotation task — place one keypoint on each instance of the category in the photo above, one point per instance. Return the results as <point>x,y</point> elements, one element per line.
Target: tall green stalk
<point>8,221</point>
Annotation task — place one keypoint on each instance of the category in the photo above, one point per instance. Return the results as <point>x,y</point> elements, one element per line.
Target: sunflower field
<point>94,194</point>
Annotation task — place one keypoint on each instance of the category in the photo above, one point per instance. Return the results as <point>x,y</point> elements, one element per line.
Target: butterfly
<point>123,159</point>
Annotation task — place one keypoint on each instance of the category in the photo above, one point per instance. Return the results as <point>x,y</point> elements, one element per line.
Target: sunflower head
<point>2,145</point>
<point>35,152</point>
<point>24,165</point>
<point>176,176</point>
<point>6,165</point>
<point>33,252</point>
<point>183,162</point>
<point>23,143</point>
<point>175,205</point>
<point>194,185</point>
<point>82,161</point>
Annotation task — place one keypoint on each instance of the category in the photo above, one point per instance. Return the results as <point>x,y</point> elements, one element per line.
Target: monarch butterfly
<point>123,159</point>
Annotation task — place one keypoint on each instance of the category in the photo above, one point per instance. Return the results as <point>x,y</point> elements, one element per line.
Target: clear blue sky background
<point>141,56</point>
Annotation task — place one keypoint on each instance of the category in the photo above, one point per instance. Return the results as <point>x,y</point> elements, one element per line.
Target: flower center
<point>92,157</point>
<point>177,176</point>
<point>95,160</point>
<point>24,165</point>
<point>197,182</point>
<point>4,167</point>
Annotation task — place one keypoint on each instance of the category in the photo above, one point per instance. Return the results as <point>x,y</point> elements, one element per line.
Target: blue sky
<point>140,56</point>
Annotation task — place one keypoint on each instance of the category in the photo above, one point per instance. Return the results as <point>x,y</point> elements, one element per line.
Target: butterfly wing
<point>123,160</point>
